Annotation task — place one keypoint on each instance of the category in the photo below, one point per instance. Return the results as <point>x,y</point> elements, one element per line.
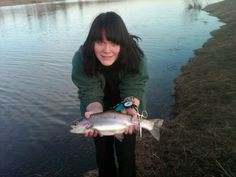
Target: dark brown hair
<point>113,27</point>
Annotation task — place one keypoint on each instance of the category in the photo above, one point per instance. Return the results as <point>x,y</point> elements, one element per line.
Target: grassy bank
<point>200,141</point>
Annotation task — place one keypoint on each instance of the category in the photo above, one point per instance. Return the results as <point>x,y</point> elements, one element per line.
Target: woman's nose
<point>107,47</point>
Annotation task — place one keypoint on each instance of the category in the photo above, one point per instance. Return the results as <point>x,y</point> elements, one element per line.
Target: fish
<point>114,123</point>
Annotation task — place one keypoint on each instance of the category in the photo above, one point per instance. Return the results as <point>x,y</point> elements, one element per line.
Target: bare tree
<point>194,4</point>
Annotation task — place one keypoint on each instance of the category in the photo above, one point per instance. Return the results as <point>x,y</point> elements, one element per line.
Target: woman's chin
<point>107,63</point>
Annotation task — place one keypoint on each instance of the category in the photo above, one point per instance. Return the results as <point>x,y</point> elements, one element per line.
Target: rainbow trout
<point>114,123</point>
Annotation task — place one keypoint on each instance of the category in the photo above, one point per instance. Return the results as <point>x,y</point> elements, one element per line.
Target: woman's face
<point>106,51</point>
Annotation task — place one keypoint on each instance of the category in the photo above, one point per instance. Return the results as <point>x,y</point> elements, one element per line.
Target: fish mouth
<point>73,126</point>
<point>75,122</point>
<point>73,131</point>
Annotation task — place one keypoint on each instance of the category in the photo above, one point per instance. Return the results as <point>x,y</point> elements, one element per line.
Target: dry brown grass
<point>201,138</point>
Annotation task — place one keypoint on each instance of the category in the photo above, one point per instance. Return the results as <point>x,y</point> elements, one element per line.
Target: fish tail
<point>155,131</point>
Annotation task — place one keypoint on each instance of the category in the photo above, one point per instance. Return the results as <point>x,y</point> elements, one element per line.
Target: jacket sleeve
<point>89,89</point>
<point>134,84</point>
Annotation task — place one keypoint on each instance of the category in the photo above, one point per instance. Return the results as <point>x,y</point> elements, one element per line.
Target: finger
<point>126,131</point>
<point>91,134</point>
<point>88,134</point>
<point>87,114</point>
<point>95,134</point>
<point>130,130</point>
<point>99,134</point>
<point>131,111</point>
<point>124,111</point>
<point>136,128</point>
<point>134,116</point>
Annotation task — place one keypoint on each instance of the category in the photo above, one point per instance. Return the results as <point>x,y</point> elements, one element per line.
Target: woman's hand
<point>131,129</point>
<point>93,108</point>
<point>133,112</point>
<point>91,133</point>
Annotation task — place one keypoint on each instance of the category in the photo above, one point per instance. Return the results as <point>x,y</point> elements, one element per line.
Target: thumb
<point>88,114</point>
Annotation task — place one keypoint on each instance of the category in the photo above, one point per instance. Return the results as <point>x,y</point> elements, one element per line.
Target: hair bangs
<point>114,35</point>
<point>97,35</point>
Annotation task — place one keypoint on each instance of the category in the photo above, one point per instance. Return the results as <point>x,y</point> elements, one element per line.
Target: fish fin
<point>119,136</point>
<point>156,128</point>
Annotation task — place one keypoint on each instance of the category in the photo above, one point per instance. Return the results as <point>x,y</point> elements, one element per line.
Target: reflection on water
<point>194,7</point>
<point>38,101</point>
<point>194,4</point>
<point>198,4</point>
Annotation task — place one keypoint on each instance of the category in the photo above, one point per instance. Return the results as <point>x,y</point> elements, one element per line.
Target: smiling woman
<point>106,51</point>
<point>108,68</point>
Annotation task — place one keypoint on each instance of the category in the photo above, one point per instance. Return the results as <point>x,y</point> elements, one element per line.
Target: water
<point>38,101</point>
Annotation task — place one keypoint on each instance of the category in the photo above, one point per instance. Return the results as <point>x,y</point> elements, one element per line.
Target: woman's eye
<point>114,44</point>
<point>99,42</point>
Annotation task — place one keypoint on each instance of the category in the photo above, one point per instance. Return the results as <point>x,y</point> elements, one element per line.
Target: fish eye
<point>76,122</point>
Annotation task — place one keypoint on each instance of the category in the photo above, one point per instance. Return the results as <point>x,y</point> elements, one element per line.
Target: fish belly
<point>107,130</point>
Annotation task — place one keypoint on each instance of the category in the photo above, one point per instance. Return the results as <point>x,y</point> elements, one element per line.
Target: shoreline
<point>21,2</point>
<point>200,139</point>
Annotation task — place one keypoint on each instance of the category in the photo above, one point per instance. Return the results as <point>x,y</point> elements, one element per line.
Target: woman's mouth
<point>106,57</point>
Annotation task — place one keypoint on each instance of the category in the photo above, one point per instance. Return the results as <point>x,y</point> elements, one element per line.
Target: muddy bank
<point>201,138</point>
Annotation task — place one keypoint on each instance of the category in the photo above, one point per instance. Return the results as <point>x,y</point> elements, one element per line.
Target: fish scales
<point>112,123</point>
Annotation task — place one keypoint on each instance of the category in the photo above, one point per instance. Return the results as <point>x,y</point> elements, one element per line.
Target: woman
<point>108,68</point>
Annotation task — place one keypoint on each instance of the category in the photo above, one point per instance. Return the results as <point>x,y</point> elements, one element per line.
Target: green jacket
<point>90,89</point>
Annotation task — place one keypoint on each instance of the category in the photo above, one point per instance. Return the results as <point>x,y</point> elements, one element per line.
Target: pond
<point>38,100</point>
